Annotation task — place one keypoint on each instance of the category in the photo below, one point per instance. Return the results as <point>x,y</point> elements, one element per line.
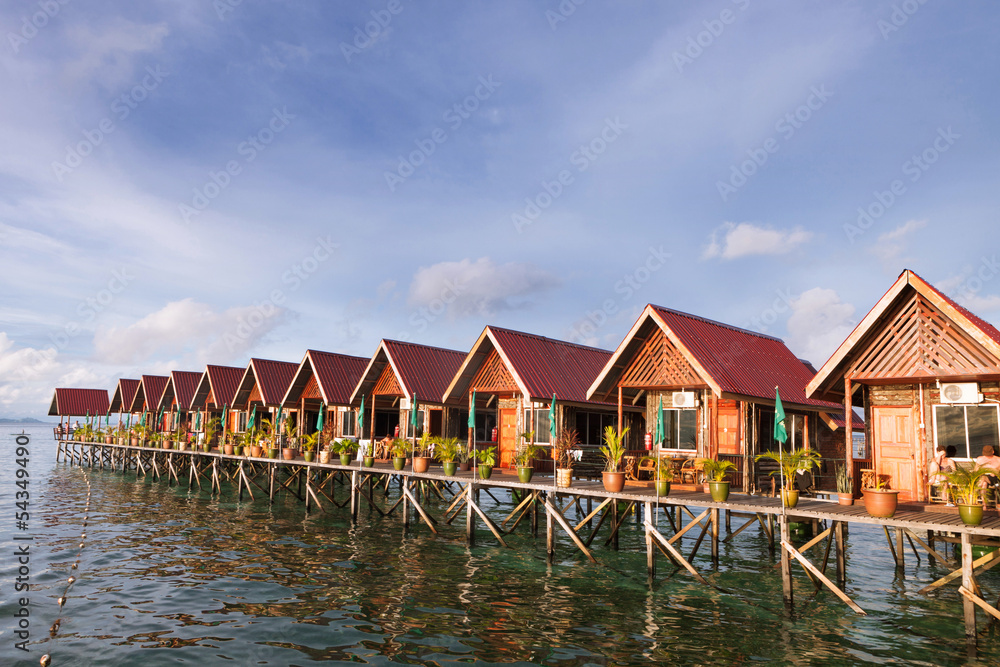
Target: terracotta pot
<point>228,449</point>
<point>449,468</point>
<point>167,444</point>
<point>845,498</point>
<point>288,454</point>
<point>564,477</point>
<point>790,498</point>
<point>324,456</point>
<point>345,459</point>
<point>369,462</point>
<point>972,515</point>
<point>880,504</point>
<point>485,472</point>
<point>256,451</point>
<point>308,456</point>
<point>421,463</point>
<point>109,440</point>
<point>614,482</point>
<point>524,474</point>
<point>465,466</point>
<point>135,442</point>
<point>398,462</point>
<point>662,488</point>
<point>719,491</point>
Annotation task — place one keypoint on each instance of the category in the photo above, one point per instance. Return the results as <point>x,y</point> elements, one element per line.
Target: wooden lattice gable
<point>387,383</point>
<point>659,363</point>
<point>494,376</point>
<point>312,391</point>
<point>255,395</point>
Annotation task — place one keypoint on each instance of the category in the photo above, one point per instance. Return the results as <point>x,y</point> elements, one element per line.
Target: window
<point>966,427</point>
<point>409,423</point>
<point>681,428</point>
<point>348,423</point>
<point>591,425</point>
<point>541,426</point>
<point>486,421</point>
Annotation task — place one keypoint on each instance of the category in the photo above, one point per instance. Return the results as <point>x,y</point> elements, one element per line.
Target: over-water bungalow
<point>72,402</point>
<point>926,372</point>
<point>147,397</point>
<point>216,393</point>
<point>121,399</point>
<point>176,397</point>
<point>325,381</point>
<point>263,385</point>
<point>397,373</point>
<point>514,376</point>
<point>717,384</point>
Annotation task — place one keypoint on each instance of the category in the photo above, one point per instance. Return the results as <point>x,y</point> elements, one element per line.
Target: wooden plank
<point>927,548</point>
<point>655,534</point>
<point>984,563</point>
<point>569,530</point>
<point>983,604</point>
<point>489,522</point>
<point>822,577</point>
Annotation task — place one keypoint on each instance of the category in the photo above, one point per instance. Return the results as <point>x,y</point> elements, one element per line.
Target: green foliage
<point>487,457</point>
<point>614,448</point>
<point>447,449</point>
<point>844,483</point>
<point>663,468</point>
<point>344,446</point>
<point>309,441</point>
<point>526,452</point>
<point>965,483</point>
<point>791,463</point>
<point>715,470</point>
<point>400,448</point>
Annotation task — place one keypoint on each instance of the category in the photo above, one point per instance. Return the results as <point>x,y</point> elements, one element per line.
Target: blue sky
<point>184,183</point>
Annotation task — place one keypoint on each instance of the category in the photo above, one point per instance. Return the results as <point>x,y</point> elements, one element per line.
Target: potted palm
<point>368,459</point>
<point>308,444</point>
<point>463,458</point>
<point>790,463</point>
<point>663,473</point>
<point>845,486</point>
<point>346,450</point>
<point>445,452</point>
<point>487,459</point>
<point>524,457</point>
<point>715,472</point>
<point>399,449</point>
<point>613,451</point>
<point>562,457</point>
<point>966,490</point>
<point>880,500</point>
<point>422,454</point>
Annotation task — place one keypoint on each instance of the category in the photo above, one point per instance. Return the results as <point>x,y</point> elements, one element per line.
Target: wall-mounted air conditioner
<point>960,392</point>
<point>684,399</point>
<point>404,404</point>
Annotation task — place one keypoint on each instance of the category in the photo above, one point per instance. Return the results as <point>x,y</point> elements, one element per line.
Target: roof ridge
<point>707,320</point>
<point>429,347</point>
<point>546,338</point>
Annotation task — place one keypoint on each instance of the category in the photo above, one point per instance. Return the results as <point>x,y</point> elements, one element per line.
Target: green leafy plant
<point>424,445</point>
<point>400,448</point>
<point>562,448</point>
<point>309,441</point>
<point>614,448</point>
<point>715,471</point>
<point>487,457</point>
<point>447,449</point>
<point>344,446</point>
<point>527,451</point>
<point>463,452</point>
<point>844,482</point>
<point>791,463</point>
<point>965,483</point>
<point>663,469</point>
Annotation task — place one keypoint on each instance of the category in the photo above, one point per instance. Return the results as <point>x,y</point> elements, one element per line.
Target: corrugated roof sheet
<point>224,381</point>
<point>270,377</point>
<point>182,385</point>
<point>149,393</point>
<point>124,395</point>
<point>422,370</point>
<point>336,374</point>
<point>71,402</point>
<point>546,366</point>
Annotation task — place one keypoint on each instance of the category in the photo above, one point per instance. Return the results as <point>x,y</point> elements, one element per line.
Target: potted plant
<point>308,444</point>
<point>790,463</point>
<point>880,500</point>
<point>463,458</point>
<point>524,457</point>
<point>367,458</point>
<point>399,449</point>
<point>446,451</point>
<point>228,447</point>
<point>562,457</point>
<point>845,486</point>
<point>715,472</point>
<point>487,458</point>
<point>345,449</point>
<point>613,451</point>
<point>288,427</point>
<point>422,454</point>
<point>964,484</point>
<point>663,473</point>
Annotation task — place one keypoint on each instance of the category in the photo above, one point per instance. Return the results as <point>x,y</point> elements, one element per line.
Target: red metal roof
<point>181,384</point>
<point>224,381</point>
<point>124,395</point>
<point>270,377</point>
<point>336,374</point>
<point>148,395</point>
<point>977,321</point>
<point>79,402</point>
<point>423,371</point>
<point>546,366</point>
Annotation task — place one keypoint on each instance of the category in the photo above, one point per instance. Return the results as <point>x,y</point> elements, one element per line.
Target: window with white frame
<point>680,429</point>
<point>347,422</point>
<point>967,427</point>
<point>541,425</point>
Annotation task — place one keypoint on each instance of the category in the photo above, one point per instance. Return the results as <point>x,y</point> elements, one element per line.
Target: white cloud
<point>889,247</point>
<point>105,54</point>
<point>29,375</point>
<point>819,323</point>
<point>190,331</point>
<point>745,239</point>
<point>482,287</point>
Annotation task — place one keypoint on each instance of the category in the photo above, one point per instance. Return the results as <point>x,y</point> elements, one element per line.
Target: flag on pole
<point>253,418</point>
<point>319,419</point>
<point>472,411</point>
<point>552,419</point>
<point>225,413</point>
<point>780,433</point>
<point>661,429</point>
<point>361,418</point>
<point>413,415</point>
<point>278,418</point>
<point>197,421</point>
<point>143,422</point>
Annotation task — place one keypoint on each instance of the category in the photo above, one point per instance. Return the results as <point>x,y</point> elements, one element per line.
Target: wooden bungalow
<point>514,376</point>
<point>147,396</point>
<point>216,392</point>
<point>926,371</point>
<point>717,385</point>
<point>121,399</point>
<point>263,385</point>
<point>325,381</point>
<point>72,402</point>
<point>176,397</point>
<point>398,372</point>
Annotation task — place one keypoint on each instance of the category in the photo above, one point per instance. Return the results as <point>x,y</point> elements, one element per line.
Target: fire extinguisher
<point>397,431</point>
<point>494,434</point>
<point>649,441</point>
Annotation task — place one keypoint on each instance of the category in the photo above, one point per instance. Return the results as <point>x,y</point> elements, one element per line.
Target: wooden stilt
<point>786,565</point>
<point>787,549</point>
<point>715,536</point>
<point>650,553</point>
<point>968,584</point>
<point>841,555</point>
<point>900,549</point>
<point>470,518</point>
<point>569,530</point>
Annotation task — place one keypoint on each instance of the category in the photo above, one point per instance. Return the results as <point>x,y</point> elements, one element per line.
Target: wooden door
<point>895,449</point>
<point>728,429</point>
<point>508,436</point>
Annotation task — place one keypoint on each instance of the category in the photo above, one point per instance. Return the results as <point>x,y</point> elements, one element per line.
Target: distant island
<point>25,420</point>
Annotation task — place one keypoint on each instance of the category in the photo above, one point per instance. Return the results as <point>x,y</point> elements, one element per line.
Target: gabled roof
<point>421,370</point>
<point>271,378</point>
<point>79,402</point>
<point>730,361</point>
<point>336,376</point>
<point>540,366</point>
<point>925,348</point>
<point>181,384</point>
<point>219,381</point>
<point>147,396</point>
<point>124,394</point>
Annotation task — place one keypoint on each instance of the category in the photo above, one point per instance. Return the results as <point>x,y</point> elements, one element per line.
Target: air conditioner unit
<point>404,404</point>
<point>960,392</point>
<point>684,399</point>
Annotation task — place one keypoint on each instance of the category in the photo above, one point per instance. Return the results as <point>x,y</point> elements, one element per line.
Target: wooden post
<point>619,411</point>
<point>550,536</point>
<point>615,525</point>
<point>770,533</point>
<point>841,560</point>
<point>715,536</point>
<point>848,427</point>
<point>969,584</point>
<point>354,497</point>
<point>900,550</point>
<point>650,552</point>
<point>470,517</point>
<point>786,563</point>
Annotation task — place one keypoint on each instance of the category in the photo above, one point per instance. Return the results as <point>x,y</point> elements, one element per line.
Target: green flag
<point>552,419</point>
<point>361,418</point>
<point>197,421</point>
<point>472,411</point>
<point>277,420</point>
<point>253,418</point>
<point>413,415</point>
<point>143,422</point>
<point>319,419</point>
<point>661,429</point>
<point>225,413</point>
<point>780,434</point>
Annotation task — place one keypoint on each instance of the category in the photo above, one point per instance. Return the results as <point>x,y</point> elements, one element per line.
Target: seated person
<point>941,463</point>
<point>988,460</point>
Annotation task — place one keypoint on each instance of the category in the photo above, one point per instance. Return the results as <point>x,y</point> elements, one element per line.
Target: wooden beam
<point>655,534</point>
<point>420,510</point>
<point>569,530</point>
<point>983,604</point>
<point>794,553</point>
<point>489,522</point>
<point>985,563</point>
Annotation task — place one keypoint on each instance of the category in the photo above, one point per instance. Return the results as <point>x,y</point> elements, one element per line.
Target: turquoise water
<point>168,576</point>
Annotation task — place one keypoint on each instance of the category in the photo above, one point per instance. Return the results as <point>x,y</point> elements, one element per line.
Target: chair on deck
<point>691,470</point>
